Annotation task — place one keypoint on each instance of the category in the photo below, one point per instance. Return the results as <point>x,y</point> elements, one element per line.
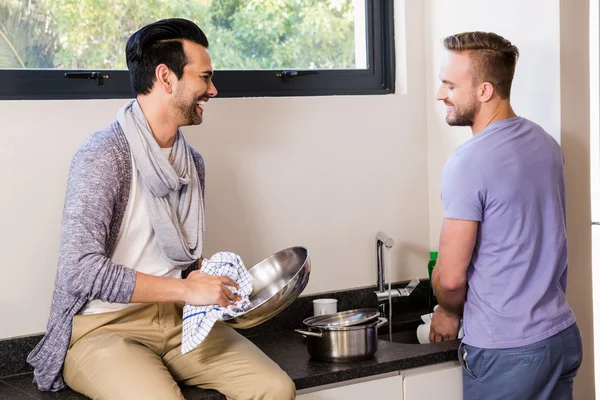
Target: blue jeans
<point>543,370</point>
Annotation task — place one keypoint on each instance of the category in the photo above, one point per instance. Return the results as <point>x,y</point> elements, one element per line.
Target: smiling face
<point>195,87</point>
<point>458,89</point>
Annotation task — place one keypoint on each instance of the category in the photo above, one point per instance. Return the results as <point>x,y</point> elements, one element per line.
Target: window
<point>74,49</point>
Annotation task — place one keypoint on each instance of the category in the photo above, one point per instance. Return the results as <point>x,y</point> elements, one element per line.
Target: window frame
<point>378,78</point>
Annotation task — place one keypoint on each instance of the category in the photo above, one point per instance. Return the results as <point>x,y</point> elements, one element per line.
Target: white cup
<point>324,306</point>
<point>423,333</point>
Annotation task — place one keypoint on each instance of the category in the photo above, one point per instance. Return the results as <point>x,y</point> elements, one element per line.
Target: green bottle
<point>433,255</point>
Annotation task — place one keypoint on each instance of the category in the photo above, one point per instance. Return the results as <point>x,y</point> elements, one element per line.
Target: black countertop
<point>278,341</point>
<point>287,349</point>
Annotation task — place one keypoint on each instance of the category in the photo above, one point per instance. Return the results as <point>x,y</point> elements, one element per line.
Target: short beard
<point>465,117</point>
<point>188,113</point>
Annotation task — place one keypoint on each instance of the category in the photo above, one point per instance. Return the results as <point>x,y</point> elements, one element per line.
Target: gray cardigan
<point>96,200</point>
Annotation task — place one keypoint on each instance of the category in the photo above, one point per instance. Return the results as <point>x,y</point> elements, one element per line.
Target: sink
<point>406,337</point>
<point>405,332</point>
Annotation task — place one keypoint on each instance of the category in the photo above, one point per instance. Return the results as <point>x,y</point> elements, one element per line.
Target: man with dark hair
<point>502,262</point>
<point>133,227</point>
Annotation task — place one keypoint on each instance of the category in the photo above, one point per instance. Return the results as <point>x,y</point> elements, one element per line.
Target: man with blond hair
<point>502,263</point>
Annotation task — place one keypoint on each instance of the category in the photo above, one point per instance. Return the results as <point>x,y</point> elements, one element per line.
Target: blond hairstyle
<point>493,58</point>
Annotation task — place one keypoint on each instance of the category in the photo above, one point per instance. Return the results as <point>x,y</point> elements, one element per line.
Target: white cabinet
<point>376,387</point>
<point>433,382</point>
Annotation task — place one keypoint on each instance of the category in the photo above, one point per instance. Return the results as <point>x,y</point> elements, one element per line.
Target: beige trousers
<point>136,354</point>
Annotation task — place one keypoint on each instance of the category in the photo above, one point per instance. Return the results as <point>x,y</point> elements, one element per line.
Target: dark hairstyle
<point>493,58</point>
<point>159,43</point>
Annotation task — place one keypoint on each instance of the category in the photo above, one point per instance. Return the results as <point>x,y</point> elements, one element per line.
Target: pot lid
<point>343,318</point>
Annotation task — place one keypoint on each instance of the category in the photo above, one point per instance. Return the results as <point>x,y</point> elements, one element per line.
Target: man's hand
<point>444,326</point>
<point>205,289</point>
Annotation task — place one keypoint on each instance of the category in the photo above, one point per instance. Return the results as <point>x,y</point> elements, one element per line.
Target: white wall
<point>323,172</point>
<point>551,87</point>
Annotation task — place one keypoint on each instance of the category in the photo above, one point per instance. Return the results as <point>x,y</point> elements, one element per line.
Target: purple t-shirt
<point>509,177</point>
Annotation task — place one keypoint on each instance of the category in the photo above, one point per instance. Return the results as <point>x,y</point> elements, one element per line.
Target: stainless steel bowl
<point>277,282</point>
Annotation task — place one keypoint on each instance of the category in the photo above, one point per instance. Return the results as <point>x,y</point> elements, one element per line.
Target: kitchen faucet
<point>383,294</point>
<point>382,240</point>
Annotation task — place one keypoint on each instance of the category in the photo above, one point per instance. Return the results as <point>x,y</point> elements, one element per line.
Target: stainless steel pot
<point>342,344</point>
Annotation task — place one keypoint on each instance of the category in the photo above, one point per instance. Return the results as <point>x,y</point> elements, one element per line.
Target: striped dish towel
<point>199,320</point>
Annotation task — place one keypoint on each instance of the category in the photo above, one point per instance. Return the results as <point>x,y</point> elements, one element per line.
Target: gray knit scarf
<point>172,189</point>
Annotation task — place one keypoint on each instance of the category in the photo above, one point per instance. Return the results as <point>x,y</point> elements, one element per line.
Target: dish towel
<point>199,320</point>
<point>425,327</point>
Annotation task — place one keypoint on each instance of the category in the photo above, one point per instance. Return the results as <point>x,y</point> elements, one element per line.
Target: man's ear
<point>485,92</point>
<point>164,78</point>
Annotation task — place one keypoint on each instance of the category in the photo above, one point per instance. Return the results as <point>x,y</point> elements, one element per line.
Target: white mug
<point>324,306</point>
<point>423,333</point>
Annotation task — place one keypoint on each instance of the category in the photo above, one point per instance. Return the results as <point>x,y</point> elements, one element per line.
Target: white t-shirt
<point>137,247</point>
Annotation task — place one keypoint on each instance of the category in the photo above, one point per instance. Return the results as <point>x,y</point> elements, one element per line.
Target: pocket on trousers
<point>472,360</point>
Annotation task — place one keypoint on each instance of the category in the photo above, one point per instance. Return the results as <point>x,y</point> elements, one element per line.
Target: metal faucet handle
<point>406,291</point>
<point>384,295</point>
